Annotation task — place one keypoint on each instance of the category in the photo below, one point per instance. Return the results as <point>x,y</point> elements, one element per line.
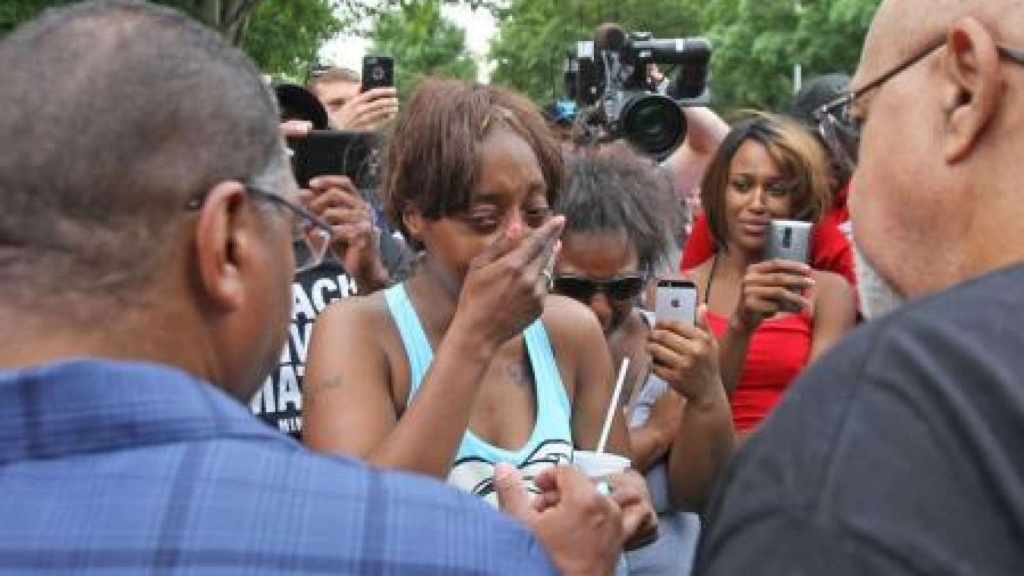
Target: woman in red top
<point>772,317</point>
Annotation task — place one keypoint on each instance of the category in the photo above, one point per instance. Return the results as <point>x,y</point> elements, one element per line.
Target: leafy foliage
<point>758,43</point>
<point>283,36</point>
<point>423,43</point>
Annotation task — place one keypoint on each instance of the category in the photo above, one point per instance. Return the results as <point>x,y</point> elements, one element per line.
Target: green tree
<point>534,36</point>
<point>283,36</point>
<point>423,43</point>
<point>758,43</point>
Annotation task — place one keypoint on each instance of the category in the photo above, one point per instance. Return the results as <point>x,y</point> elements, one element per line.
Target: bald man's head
<point>938,99</point>
<point>902,27</point>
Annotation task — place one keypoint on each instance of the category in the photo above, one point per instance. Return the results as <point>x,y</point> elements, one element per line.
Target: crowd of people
<point>439,359</point>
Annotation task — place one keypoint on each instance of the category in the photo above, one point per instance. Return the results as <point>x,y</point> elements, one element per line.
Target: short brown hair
<point>794,150</point>
<point>332,75</point>
<point>432,155</point>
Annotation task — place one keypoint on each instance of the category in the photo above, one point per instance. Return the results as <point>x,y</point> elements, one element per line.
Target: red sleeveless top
<point>779,350</point>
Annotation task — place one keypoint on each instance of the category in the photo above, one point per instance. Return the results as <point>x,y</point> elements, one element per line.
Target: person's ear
<point>972,87</point>
<point>223,244</point>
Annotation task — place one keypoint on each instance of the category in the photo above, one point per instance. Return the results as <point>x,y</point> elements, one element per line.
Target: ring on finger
<point>549,280</point>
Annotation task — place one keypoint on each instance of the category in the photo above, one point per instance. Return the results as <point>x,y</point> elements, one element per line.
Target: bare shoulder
<point>830,283</point>
<point>355,310</point>
<point>366,318</point>
<point>833,294</point>
<point>358,336</point>
<point>565,318</point>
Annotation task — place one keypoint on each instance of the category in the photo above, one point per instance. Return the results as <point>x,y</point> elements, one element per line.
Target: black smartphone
<point>788,240</point>
<point>347,153</point>
<point>675,300</point>
<point>378,72</point>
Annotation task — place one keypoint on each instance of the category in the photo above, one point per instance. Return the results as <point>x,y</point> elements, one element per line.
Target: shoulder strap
<point>417,346</point>
<point>550,388</point>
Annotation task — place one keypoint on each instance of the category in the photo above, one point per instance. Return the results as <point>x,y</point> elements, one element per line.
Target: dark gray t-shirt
<point>279,401</point>
<point>900,452</point>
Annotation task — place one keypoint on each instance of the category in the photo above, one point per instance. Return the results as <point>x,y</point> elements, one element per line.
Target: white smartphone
<point>676,300</point>
<point>788,240</point>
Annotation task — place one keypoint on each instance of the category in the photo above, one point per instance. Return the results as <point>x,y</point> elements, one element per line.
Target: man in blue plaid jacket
<point>146,208</point>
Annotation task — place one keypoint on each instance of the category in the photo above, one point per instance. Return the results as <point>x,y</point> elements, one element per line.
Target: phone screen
<point>676,300</point>
<point>346,153</point>
<point>378,72</point>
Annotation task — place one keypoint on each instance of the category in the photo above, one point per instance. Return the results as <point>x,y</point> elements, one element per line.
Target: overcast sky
<point>348,51</point>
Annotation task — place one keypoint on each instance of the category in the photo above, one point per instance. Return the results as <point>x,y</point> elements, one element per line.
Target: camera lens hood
<point>653,124</point>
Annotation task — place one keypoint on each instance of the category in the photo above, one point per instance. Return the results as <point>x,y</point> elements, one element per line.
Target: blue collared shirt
<point>126,468</point>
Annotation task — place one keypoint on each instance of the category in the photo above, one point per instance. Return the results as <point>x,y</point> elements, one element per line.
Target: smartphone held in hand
<point>676,299</point>
<point>345,153</point>
<point>378,72</point>
<point>788,240</point>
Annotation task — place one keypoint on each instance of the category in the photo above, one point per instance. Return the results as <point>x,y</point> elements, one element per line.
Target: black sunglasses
<point>583,288</point>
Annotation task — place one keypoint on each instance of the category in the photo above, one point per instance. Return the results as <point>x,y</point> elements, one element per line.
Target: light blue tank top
<point>549,444</point>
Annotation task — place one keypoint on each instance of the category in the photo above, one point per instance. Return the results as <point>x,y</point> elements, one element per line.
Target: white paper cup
<point>599,465</point>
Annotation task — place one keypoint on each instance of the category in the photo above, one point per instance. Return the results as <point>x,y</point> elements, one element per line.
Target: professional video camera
<point>610,79</point>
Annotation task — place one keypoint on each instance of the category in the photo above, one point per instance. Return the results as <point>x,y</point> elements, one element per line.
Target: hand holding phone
<point>770,287</point>
<point>378,72</point>
<point>683,351</point>
<point>334,152</point>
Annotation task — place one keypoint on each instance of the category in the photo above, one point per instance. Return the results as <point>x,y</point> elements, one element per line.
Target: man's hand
<point>368,110</point>
<point>580,528</point>
<point>639,519</point>
<point>355,240</point>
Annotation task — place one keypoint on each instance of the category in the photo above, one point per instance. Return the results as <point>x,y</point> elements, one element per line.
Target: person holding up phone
<point>348,105</point>
<point>772,316</point>
<point>469,363</point>
<point>616,237</point>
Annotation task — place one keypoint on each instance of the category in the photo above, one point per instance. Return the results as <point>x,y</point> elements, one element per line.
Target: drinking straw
<point>613,407</point>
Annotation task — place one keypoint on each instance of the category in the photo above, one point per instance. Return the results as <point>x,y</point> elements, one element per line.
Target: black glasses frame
<point>310,222</point>
<point>835,124</point>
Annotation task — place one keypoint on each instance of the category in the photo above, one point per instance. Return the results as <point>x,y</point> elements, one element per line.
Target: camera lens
<point>653,124</point>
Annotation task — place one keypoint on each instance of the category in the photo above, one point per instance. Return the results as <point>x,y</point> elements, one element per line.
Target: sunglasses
<point>583,288</point>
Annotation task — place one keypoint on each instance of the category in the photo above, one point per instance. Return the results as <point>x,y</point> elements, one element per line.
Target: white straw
<point>614,406</point>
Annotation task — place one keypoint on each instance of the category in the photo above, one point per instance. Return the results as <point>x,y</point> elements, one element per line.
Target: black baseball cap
<point>297,103</point>
<point>817,92</point>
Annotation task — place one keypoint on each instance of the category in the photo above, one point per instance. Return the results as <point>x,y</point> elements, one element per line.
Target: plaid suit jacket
<point>119,468</point>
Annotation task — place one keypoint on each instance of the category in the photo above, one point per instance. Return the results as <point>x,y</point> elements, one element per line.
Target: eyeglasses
<point>841,131</point>
<point>583,288</point>
<point>311,236</point>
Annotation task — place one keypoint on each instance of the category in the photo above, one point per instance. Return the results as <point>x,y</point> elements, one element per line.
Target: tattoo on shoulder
<point>317,388</point>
